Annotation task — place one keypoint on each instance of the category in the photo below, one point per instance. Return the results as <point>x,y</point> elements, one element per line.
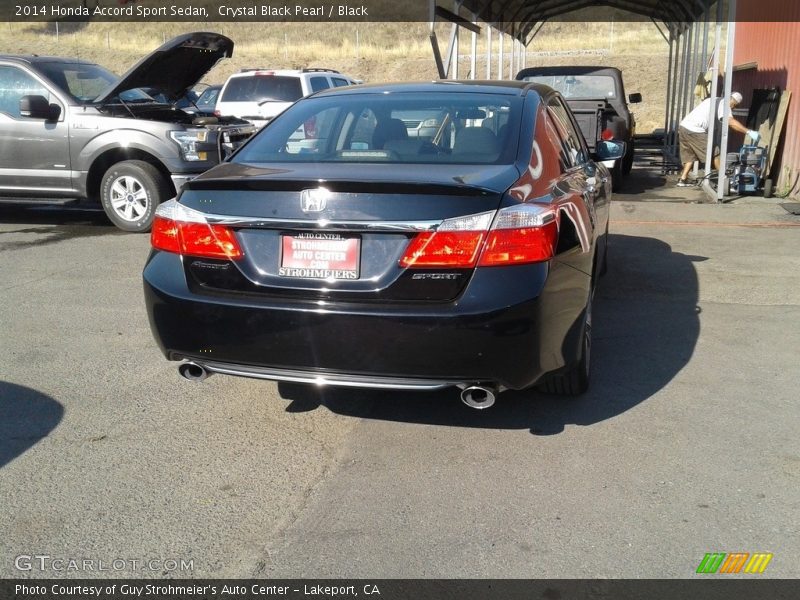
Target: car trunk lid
<point>316,230</point>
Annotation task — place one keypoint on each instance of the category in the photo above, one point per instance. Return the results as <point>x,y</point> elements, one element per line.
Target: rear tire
<point>627,161</point>
<point>130,192</point>
<point>768,188</point>
<point>616,176</point>
<point>575,380</point>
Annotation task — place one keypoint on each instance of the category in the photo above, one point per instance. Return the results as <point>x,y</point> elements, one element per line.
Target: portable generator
<point>748,169</point>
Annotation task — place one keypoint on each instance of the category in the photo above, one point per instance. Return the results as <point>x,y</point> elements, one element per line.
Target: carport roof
<point>526,14</point>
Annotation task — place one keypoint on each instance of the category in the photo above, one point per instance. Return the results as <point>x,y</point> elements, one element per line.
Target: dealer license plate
<point>320,256</point>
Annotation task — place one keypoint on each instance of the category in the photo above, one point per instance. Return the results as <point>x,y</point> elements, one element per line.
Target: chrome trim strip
<point>338,380</point>
<point>411,226</point>
<point>21,188</point>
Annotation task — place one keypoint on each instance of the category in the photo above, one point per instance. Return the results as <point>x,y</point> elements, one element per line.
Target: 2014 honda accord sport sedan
<point>408,236</point>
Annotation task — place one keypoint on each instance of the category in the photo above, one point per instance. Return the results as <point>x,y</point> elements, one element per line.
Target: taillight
<point>607,135</point>
<point>520,234</point>
<point>455,244</point>
<point>185,231</point>
<point>164,235</point>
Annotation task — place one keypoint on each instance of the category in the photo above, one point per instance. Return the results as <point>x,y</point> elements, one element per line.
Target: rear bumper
<point>508,329</point>
<point>333,379</point>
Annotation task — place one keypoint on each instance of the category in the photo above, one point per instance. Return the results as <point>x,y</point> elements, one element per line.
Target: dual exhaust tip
<point>475,396</point>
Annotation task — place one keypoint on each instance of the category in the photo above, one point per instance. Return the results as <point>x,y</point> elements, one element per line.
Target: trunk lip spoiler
<point>325,224</point>
<point>174,210</point>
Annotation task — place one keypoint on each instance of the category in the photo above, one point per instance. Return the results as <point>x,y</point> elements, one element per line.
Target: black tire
<point>768,188</point>
<point>130,192</point>
<point>627,161</point>
<point>616,176</point>
<point>575,380</point>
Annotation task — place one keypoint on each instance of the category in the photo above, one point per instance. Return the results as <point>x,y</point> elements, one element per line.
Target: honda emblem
<point>314,200</point>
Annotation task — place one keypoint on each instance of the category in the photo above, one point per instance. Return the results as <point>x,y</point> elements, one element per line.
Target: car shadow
<point>646,326</point>
<point>26,417</point>
<point>644,177</point>
<point>52,224</point>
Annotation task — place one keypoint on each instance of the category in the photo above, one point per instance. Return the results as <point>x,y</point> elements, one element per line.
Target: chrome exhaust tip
<point>478,397</point>
<point>193,372</point>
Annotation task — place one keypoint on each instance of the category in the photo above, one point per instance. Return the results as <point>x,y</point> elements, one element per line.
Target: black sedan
<point>336,249</point>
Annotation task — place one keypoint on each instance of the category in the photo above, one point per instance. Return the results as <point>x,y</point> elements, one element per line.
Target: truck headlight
<point>188,141</point>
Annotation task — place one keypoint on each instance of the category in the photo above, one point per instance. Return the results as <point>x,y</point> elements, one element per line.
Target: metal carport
<point>684,25</point>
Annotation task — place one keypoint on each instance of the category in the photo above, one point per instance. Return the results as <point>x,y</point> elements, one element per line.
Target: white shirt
<point>697,120</point>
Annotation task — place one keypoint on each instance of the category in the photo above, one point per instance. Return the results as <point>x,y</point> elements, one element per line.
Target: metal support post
<point>524,55</point>
<point>704,53</point>
<point>671,99</point>
<point>437,55</point>
<point>681,112</point>
<point>500,55</point>
<point>448,64</point>
<point>684,75</point>
<point>694,70</point>
<point>723,144</point>
<point>456,6</point>
<point>489,29</point>
<point>687,77</point>
<point>668,103</point>
<point>513,55</point>
<point>473,63</point>
<point>712,112</point>
<point>674,94</point>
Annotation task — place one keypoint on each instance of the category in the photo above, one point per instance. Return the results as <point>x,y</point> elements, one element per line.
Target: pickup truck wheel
<point>627,161</point>
<point>616,176</point>
<point>130,192</point>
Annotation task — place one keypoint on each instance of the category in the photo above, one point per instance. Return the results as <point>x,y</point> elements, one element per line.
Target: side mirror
<point>609,150</point>
<point>37,107</point>
<point>635,98</point>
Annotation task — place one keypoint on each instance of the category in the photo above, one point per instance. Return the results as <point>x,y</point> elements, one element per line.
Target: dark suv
<point>70,129</point>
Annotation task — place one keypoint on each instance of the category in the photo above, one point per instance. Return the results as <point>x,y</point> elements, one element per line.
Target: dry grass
<point>370,51</point>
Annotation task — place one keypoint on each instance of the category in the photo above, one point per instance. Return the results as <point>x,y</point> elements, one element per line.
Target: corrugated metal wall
<point>775,49</point>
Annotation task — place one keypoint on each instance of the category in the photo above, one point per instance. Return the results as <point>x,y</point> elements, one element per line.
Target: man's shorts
<point>693,146</point>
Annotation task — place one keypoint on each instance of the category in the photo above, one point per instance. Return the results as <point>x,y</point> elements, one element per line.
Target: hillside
<point>374,52</point>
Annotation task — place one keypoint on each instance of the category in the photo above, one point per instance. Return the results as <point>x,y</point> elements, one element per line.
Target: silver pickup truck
<point>71,130</point>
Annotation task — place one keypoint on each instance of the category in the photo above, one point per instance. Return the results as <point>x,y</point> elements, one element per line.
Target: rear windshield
<point>578,86</point>
<point>405,127</point>
<point>263,88</point>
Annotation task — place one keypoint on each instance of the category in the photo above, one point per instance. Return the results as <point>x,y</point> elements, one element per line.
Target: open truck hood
<point>175,67</point>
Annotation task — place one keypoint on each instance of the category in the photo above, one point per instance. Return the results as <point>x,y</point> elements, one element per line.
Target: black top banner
<point>215,10</point>
<point>488,11</point>
<point>400,589</point>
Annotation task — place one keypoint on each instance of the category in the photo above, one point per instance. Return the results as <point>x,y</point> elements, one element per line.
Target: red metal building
<point>766,55</point>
